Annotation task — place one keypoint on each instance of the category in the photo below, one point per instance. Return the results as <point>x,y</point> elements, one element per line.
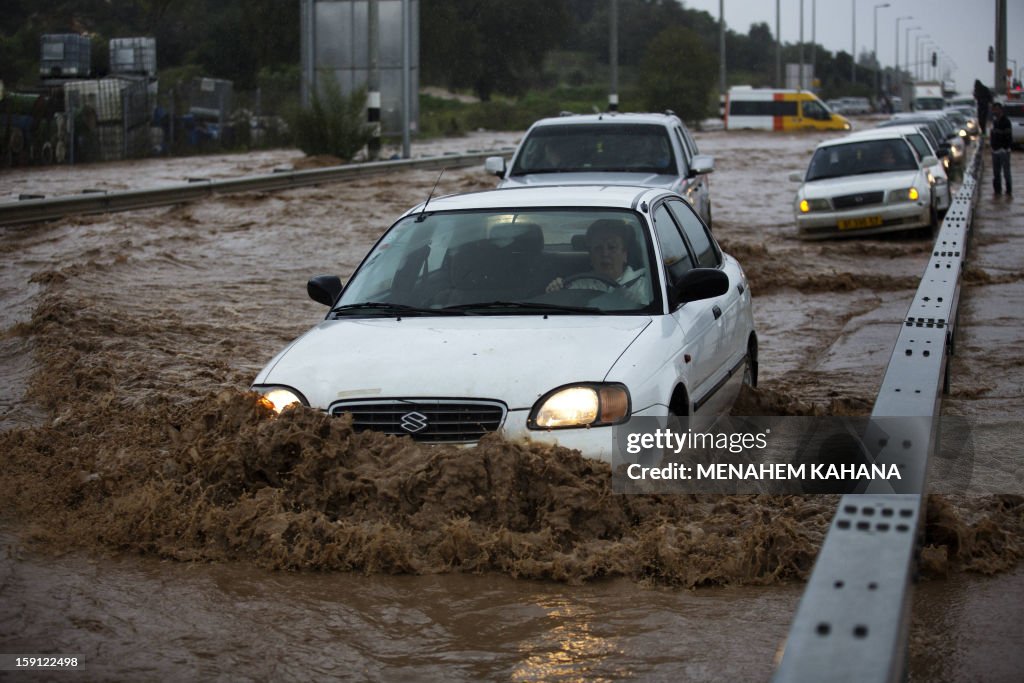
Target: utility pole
<point>778,47</point>
<point>721,48</point>
<point>999,83</point>
<point>373,79</point>
<point>406,77</point>
<point>613,54</point>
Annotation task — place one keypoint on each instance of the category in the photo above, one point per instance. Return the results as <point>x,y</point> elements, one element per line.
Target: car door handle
<point>740,288</point>
<point>717,311</point>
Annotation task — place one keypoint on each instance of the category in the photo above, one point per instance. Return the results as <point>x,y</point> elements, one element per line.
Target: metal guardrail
<point>44,209</point>
<point>852,623</point>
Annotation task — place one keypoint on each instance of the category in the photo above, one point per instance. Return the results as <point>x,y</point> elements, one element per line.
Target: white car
<point>864,184</point>
<point>650,150</point>
<point>943,129</point>
<point>919,136</point>
<point>548,314</point>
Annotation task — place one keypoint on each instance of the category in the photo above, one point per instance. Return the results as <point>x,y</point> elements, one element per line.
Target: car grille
<point>852,201</point>
<point>428,420</point>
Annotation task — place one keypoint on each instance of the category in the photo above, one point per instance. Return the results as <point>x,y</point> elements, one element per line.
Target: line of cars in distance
<point>892,178</point>
<point>587,292</point>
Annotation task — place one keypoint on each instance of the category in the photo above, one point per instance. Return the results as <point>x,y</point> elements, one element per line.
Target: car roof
<point>548,196</point>
<point>862,135</point>
<point>884,133</point>
<point>661,119</point>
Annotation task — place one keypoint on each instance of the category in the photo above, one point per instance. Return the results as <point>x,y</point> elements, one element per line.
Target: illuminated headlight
<point>814,205</point>
<point>963,133</point>
<point>278,398</point>
<point>909,194</point>
<point>581,405</point>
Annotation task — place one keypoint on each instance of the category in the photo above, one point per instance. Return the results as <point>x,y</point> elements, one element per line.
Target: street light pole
<point>814,42</point>
<point>874,48</point>
<point>906,48</point>
<point>896,52</point>
<point>800,85</point>
<point>916,54</point>
<point>853,44</point>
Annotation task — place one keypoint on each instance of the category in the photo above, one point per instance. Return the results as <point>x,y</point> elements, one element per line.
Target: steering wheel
<point>597,277</point>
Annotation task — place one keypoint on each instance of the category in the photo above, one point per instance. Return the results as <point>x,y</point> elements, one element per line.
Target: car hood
<point>596,178</point>
<point>515,359</point>
<point>869,182</point>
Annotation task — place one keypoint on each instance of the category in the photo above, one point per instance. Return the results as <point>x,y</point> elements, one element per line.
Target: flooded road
<point>157,524</point>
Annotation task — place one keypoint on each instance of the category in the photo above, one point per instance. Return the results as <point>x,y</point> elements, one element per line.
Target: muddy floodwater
<point>159,524</point>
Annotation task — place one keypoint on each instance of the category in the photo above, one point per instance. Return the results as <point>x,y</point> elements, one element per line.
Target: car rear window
<point>604,147</point>
<point>857,158</point>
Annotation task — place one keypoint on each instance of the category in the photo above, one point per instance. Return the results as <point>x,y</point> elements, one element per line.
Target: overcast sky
<point>963,29</point>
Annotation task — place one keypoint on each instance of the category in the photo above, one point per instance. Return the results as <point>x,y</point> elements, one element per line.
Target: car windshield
<point>857,158</point>
<point>599,147</point>
<point>507,262</point>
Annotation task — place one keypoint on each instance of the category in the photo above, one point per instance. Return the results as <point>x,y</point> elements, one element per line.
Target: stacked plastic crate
<point>64,55</point>
<point>133,61</point>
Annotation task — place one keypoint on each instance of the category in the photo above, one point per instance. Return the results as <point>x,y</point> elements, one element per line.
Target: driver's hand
<point>555,285</point>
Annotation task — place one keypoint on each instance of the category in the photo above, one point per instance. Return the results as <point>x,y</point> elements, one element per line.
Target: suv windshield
<point>507,262</point>
<point>599,147</point>
<point>856,158</point>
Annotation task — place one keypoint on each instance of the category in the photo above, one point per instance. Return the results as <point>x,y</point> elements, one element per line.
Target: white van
<point>769,109</point>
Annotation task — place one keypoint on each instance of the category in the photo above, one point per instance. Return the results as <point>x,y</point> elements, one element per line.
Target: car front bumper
<point>876,219</point>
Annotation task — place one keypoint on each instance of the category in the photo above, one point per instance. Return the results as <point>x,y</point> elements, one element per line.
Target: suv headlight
<point>581,405</point>
<point>814,205</point>
<point>277,398</point>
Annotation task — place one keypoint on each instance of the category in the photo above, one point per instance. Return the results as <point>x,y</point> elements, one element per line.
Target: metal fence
<point>853,619</point>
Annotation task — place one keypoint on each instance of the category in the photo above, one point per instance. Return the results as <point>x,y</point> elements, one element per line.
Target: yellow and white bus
<point>769,109</point>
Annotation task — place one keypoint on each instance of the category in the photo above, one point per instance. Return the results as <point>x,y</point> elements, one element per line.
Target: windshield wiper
<point>389,309</point>
<point>523,306</point>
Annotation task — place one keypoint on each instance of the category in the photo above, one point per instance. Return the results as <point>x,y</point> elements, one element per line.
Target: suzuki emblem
<point>414,422</point>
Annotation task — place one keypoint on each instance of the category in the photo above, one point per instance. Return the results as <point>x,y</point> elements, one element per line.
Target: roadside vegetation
<point>517,62</point>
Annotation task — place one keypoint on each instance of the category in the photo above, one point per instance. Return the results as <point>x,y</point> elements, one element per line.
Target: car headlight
<point>908,194</point>
<point>277,398</point>
<point>581,405</point>
<point>807,205</point>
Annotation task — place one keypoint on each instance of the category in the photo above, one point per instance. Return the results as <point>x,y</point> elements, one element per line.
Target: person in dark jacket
<point>983,96</point>
<point>1001,140</point>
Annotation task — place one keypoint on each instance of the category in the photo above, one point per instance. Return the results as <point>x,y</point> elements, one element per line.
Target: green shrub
<point>333,123</point>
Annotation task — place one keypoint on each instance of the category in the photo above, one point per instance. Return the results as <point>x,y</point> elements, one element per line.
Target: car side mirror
<point>495,166</point>
<point>324,289</point>
<point>796,176</point>
<point>702,164</point>
<point>929,161</point>
<point>697,285</point>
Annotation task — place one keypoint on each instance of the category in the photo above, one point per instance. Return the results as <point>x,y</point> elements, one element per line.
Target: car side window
<point>691,142</point>
<point>674,254</point>
<point>687,153</point>
<point>704,249</point>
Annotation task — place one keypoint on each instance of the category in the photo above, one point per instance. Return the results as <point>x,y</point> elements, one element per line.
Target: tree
<point>489,45</point>
<point>678,73</point>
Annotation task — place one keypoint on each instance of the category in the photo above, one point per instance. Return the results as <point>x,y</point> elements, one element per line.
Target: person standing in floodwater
<point>1001,142</point>
<point>983,96</point>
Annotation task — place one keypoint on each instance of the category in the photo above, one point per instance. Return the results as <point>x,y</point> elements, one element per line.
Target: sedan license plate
<point>856,223</point>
